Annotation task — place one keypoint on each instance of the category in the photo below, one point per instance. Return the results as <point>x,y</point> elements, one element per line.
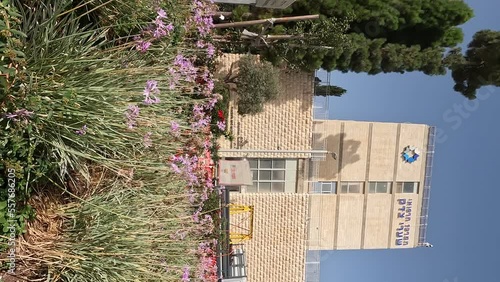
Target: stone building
<point>326,184</point>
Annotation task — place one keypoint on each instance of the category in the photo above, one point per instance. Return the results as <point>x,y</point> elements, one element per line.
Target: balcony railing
<point>424,213</point>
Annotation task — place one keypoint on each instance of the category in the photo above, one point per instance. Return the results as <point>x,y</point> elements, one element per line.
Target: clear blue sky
<point>464,222</point>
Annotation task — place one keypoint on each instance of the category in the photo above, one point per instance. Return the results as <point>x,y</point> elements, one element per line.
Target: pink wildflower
<point>147,140</point>
<point>221,125</point>
<point>210,50</point>
<point>82,131</point>
<point>185,275</point>
<point>174,128</point>
<point>142,46</point>
<point>200,44</point>
<point>210,84</point>
<point>200,124</point>
<point>150,92</point>
<point>161,13</point>
<point>175,168</point>
<point>22,113</point>
<point>131,114</point>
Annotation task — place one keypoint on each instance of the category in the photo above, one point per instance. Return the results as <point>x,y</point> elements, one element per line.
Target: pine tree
<point>480,66</point>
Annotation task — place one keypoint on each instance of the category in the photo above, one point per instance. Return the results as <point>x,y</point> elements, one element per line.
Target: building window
<point>380,187</point>
<point>351,187</point>
<point>324,188</point>
<point>268,175</point>
<point>407,187</point>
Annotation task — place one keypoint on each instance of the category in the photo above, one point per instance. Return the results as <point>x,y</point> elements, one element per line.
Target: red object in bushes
<point>220,114</point>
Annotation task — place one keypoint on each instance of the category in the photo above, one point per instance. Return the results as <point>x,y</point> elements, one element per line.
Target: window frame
<point>257,183</point>
<point>400,187</point>
<point>318,187</point>
<point>350,184</point>
<point>379,184</point>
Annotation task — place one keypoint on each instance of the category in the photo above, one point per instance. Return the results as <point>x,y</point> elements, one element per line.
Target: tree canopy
<point>480,66</point>
<point>329,90</point>
<point>380,35</point>
<point>427,23</point>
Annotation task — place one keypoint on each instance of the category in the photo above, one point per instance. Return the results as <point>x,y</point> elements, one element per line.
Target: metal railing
<point>320,103</point>
<point>424,213</point>
<point>313,263</point>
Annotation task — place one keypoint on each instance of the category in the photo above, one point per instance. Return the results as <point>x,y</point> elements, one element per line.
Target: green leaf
<point>19,53</point>
<point>13,13</point>
<point>9,71</point>
<point>3,204</point>
<point>17,32</point>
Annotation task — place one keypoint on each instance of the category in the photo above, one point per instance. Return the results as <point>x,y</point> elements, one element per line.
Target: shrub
<point>258,83</point>
<point>92,129</point>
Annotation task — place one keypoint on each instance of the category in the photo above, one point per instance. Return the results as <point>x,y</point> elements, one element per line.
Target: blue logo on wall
<point>410,154</point>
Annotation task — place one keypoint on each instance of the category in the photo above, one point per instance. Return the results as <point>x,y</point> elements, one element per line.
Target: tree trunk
<point>233,73</point>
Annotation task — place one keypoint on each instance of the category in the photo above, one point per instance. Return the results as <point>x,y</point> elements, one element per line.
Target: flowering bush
<point>139,106</point>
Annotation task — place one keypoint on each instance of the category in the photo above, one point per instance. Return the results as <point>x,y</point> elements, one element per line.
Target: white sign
<point>235,173</point>
<point>274,4</point>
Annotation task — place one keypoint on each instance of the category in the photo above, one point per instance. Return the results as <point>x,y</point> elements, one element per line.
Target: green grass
<point>79,68</point>
<point>127,234</point>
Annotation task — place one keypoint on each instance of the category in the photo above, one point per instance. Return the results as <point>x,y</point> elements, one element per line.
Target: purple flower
<point>147,140</point>
<point>200,44</point>
<point>183,68</point>
<point>22,113</point>
<point>150,92</point>
<point>152,84</point>
<point>179,234</point>
<point>185,275</point>
<point>196,216</point>
<point>200,124</point>
<point>160,29</point>
<point>221,125</point>
<point>174,126</point>
<point>82,131</point>
<point>210,104</point>
<point>209,184</point>
<point>159,32</point>
<point>187,167</point>
<point>210,50</point>
<point>131,114</point>
<point>142,46</point>
<point>192,198</point>
<point>169,28</point>
<point>210,84</point>
<point>161,13</point>
<point>175,168</point>
<point>207,144</point>
<point>198,111</point>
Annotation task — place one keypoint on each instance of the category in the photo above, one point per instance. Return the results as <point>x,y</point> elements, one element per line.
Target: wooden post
<point>273,20</point>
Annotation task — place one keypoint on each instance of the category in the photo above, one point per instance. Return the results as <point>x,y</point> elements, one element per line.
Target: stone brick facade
<point>277,250</point>
<point>285,124</point>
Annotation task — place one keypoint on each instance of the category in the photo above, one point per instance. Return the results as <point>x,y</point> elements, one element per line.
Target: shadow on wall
<point>342,152</point>
<point>295,85</point>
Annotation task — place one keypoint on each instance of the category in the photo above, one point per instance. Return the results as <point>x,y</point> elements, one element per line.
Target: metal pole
<point>272,20</point>
<point>239,2</point>
<point>273,151</point>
